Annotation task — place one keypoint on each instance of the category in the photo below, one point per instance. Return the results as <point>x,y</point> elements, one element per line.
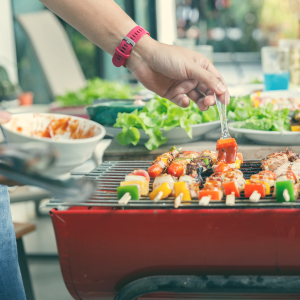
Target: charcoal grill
<point>109,174</point>
<point>109,250</point>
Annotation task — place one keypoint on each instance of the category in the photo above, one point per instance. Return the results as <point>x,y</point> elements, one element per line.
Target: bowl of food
<point>73,138</point>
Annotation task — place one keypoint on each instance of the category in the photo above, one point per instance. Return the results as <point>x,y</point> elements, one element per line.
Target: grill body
<point>103,248</point>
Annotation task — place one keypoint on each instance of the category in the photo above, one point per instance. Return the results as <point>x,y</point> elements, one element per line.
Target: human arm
<point>172,72</point>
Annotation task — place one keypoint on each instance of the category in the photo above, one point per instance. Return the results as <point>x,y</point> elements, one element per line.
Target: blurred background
<point>237,30</point>
<point>45,64</point>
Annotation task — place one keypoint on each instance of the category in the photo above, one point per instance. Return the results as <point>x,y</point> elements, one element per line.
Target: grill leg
<point>24,270</point>
<point>284,285</point>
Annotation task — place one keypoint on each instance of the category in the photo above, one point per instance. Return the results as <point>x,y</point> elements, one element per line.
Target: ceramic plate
<point>272,138</point>
<point>176,135</point>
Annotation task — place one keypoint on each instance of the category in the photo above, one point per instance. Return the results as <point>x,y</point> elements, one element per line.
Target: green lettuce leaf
<point>159,115</point>
<point>97,88</point>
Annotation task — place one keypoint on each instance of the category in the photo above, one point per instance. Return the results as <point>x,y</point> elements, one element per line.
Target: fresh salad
<point>278,103</point>
<point>97,88</point>
<point>157,116</point>
<point>266,118</point>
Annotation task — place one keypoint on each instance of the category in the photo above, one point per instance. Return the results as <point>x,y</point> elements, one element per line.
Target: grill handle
<point>211,284</point>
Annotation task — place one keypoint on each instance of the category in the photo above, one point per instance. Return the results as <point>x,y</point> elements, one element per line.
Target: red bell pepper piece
<point>222,167</point>
<point>231,187</point>
<point>215,194</point>
<point>254,186</point>
<point>239,155</point>
<point>226,143</point>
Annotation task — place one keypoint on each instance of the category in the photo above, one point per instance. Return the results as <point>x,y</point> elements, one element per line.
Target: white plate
<point>272,138</point>
<point>176,135</point>
<point>280,94</point>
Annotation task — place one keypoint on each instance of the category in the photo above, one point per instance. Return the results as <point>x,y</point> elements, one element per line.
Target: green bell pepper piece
<point>284,185</point>
<point>206,161</point>
<point>133,190</point>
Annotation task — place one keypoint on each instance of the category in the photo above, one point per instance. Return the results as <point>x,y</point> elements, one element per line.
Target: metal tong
<point>23,164</point>
<point>223,117</point>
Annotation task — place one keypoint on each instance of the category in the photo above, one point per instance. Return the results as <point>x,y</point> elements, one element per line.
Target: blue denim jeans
<point>11,286</point>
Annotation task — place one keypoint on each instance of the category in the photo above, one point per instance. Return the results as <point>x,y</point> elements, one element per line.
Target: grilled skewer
<point>286,166</point>
<point>233,183</point>
<point>183,192</point>
<point>179,166</point>
<point>161,164</point>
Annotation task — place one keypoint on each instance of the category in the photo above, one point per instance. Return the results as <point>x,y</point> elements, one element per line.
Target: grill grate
<point>109,175</point>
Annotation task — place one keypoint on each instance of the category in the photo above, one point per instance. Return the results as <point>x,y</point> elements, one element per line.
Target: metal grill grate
<point>109,175</point>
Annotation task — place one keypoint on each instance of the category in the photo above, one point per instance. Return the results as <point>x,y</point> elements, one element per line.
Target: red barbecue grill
<point>107,250</point>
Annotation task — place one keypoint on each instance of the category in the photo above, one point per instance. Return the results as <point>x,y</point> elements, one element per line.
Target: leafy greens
<point>97,88</point>
<point>160,113</point>
<point>258,118</point>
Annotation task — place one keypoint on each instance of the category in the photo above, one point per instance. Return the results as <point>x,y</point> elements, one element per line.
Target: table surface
<point>23,228</point>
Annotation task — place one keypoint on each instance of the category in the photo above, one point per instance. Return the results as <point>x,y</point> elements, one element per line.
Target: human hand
<point>176,73</point>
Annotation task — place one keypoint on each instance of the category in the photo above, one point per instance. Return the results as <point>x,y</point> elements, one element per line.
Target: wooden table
<point>116,152</point>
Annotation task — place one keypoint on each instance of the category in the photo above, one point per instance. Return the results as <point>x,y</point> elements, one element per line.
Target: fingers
<point>181,100</point>
<point>209,79</point>
<point>4,116</point>
<point>225,98</point>
<point>202,101</point>
<point>177,92</point>
<point>211,68</point>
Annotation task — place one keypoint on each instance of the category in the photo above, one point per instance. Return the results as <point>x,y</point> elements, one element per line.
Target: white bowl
<point>25,128</point>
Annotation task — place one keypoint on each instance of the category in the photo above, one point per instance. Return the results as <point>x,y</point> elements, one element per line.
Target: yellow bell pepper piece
<point>144,185</point>
<point>256,103</point>
<point>238,163</point>
<point>268,189</point>
<point>295,128</point>
<point>165,188</point>
<point>182,187</point>
<point>165,160</point>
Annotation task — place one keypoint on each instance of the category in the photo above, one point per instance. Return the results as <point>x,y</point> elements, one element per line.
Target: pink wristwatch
<point>122,52</point>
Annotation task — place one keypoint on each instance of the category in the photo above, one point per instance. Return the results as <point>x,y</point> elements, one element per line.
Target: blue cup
<point>276,65</point>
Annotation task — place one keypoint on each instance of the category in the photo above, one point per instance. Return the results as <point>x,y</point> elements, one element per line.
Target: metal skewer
<point>230,199</point>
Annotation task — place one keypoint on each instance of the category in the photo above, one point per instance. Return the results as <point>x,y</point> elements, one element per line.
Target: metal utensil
<point>223,117</point>
<point>23,164</point>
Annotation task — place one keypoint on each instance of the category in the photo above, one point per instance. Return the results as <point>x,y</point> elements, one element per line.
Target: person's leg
<point>11,285</point>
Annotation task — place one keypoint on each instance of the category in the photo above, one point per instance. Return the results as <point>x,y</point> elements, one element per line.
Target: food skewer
<point>286,187</point>
<point>213,189</point>
<point>233,183</point>
<point>127,193</point>
<point>188,186</point>
<point>259,185</point>
<point>182,193</point>
<point>161,164</point>
<point>204,201</point>
<point>134,185</point>
<point>162,192</point>
<point>139,180</point>
<point>179,166</point>
<point>285,165</point>
<point>230,199</point>
<point>178,200</point>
